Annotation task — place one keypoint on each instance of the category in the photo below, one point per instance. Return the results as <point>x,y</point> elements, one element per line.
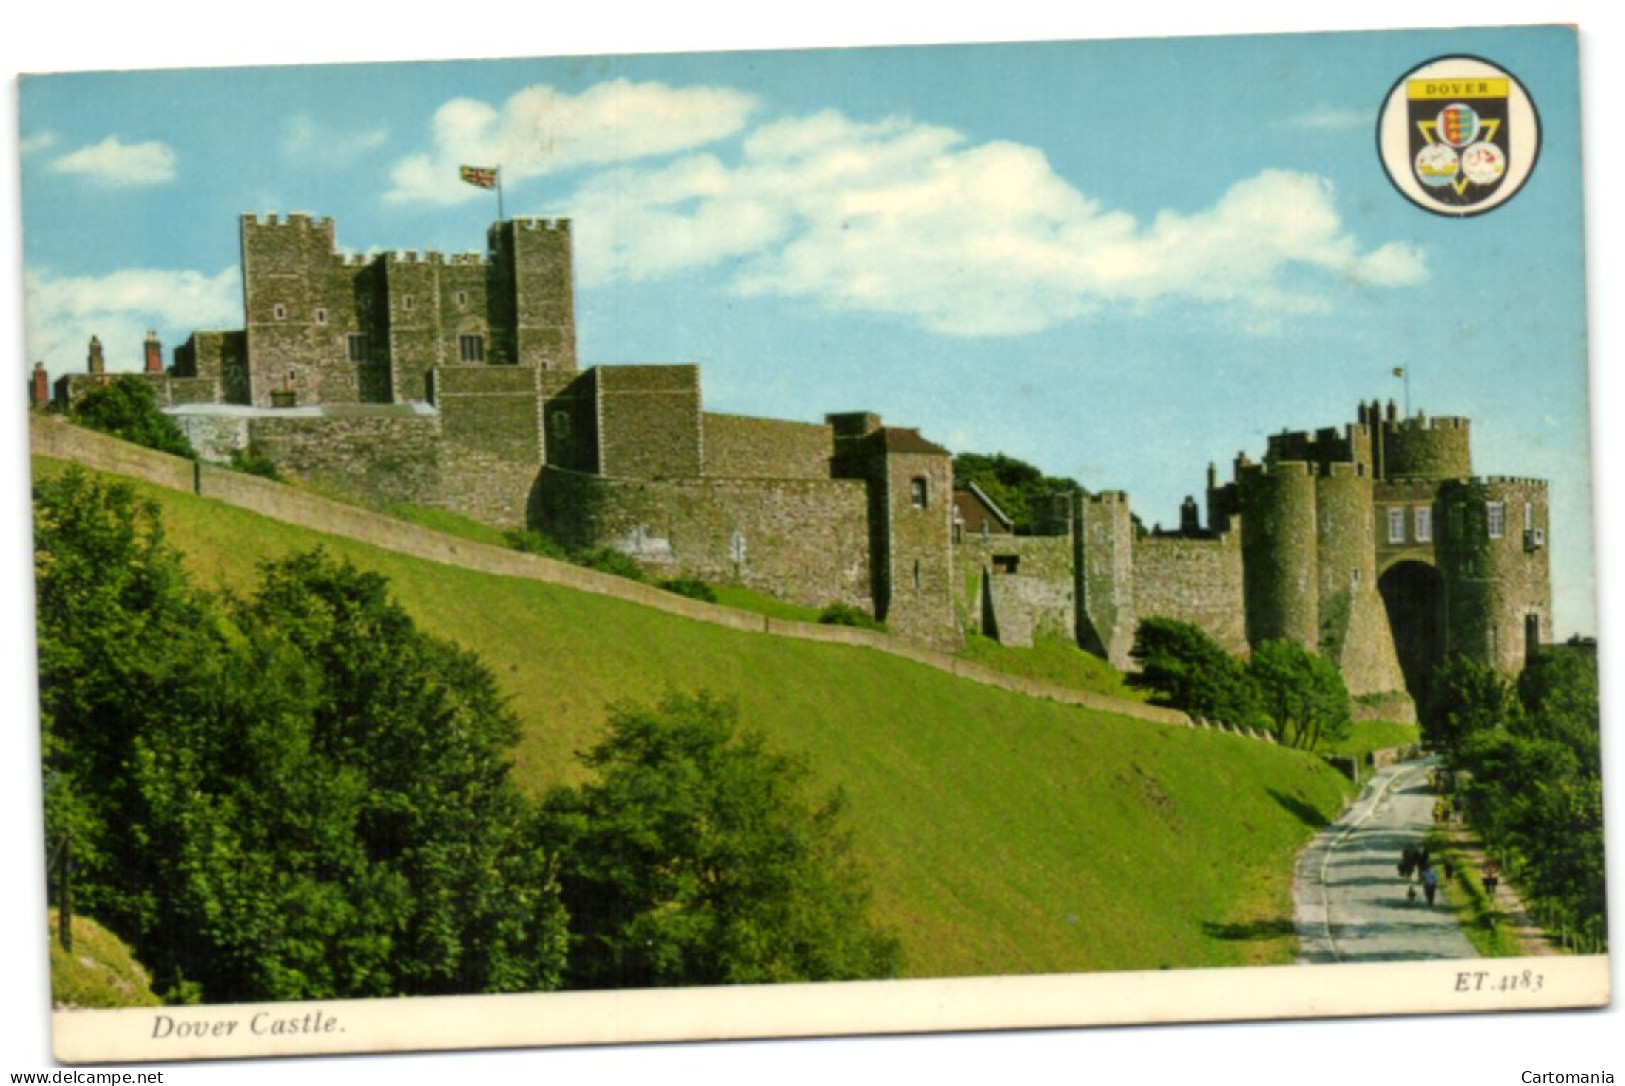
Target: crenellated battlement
<point>1420,423</point>
<point>293,220</point>
<point>530,223</point>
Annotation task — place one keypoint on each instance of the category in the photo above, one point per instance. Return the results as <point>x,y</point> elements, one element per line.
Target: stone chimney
<point>154,354</point>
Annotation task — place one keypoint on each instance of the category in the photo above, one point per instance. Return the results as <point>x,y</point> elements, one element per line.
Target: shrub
<point>699,855</point>
<point>692,587</point>
<point>608,560</point>
<point>252,463</point>
<point>844,614</point>
<point>1187,669</point>
<point>533,542</point>
<point>127,408</point>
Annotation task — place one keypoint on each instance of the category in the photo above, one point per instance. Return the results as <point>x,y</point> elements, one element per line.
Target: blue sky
<point>1117,260</point>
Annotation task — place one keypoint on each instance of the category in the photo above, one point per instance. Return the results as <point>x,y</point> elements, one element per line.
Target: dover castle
<point>452,381</point>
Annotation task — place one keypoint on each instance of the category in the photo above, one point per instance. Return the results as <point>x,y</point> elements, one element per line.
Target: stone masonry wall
<point>805,541</point>
<point>1107,615</point>
<point>1496,583</point>
<point>1193,580</point>
<point>920,603</point>
<point>738,447</point>
<point>544,291</point>
<point>491,430</point>
<point>1038,597</point>
<point>649,422</point>
<point>570,415</point>
<point>377,454</point>
<point>53,437</point>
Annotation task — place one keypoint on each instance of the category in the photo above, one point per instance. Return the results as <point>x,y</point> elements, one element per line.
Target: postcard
<point>709,546</point>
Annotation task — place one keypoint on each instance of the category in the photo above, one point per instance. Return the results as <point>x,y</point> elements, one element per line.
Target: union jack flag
<point>484,177</point>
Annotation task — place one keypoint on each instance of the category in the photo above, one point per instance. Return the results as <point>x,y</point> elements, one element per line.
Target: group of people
<point>1416,868</point>
<point>1414,861</point>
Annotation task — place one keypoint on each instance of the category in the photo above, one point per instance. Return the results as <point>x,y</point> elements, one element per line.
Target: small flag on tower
<point>484,177</point>
<point>1399,371</point>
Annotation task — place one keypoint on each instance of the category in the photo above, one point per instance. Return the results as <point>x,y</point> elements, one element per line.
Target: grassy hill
<point>1004,834</point>
<point>100,971</point>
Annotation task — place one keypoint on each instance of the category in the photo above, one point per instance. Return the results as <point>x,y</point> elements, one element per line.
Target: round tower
<point>1423,448</point>
<point>1495,560</point>
<point>1279,553</point>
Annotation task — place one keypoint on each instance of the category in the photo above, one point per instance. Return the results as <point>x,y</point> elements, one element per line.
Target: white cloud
<point>303,137</point>
<point>119,308</point>
<point>113,162</point>
<point>1332,119</point>
<point>33,144</point>
<point>540,131</point>
<point>906,219</point>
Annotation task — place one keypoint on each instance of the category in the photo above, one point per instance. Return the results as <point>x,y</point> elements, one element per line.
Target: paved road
<point>1350,902</point>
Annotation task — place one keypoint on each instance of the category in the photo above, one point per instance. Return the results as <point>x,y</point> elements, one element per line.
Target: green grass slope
<point>1004,834</point>
<point>100,971</point>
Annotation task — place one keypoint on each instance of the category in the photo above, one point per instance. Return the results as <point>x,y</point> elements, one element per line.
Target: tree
<point>351,806</point>
<point>1018,488</point>
<point>292,795</point>
<point>1465,697</point>
<point>698,856</point>
<point>125,646</point>
<point>1302,692</point>
<point>1559,696</point>
<point>127,408</point>
<point>1188,670</point>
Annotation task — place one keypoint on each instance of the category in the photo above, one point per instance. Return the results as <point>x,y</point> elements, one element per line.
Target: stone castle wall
<point>1107,614</point>
<point>1497,582</point>
<point>1018,587</point>
<point>1193,580</point>
<point>741,447</point>
<point>649,422</point>
<point>51,437</point>
<point>1419,448</point>
<point>378,454</point>
<point>802,540</point>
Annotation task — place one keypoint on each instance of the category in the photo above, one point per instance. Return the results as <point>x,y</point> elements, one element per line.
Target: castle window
<point>406,302</point>
<point>471,348</point>
<point>1528,516</point>
<point>1424,524</point>
<point>1495,519</point>
<point>462,299</point>
<point>916,575</point>
<point>918,492</point>
<point>321,316</point>
<point>279,312</point>
<point>1396,525</point>
<point>1354,577</point>
<point>561,425</point>
<point>360,347</point>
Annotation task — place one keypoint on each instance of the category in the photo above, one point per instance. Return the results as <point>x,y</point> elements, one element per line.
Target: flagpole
<point>500,216</point>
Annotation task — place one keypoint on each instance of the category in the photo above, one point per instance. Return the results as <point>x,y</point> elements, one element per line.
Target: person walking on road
<point>1430,883</point>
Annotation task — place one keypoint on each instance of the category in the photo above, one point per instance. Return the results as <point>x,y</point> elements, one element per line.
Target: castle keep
<point>452,381</point>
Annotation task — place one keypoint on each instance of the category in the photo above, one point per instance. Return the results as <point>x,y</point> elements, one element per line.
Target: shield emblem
<point>1460,136</point>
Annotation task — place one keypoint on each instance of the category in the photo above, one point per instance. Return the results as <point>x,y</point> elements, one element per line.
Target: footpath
<point>1350,902</point>
<point>1510,907</point>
